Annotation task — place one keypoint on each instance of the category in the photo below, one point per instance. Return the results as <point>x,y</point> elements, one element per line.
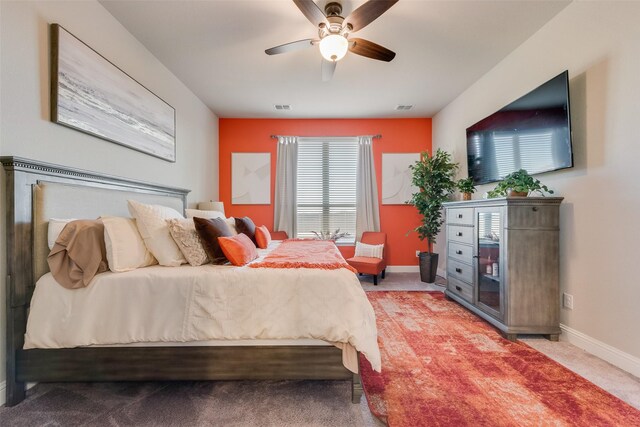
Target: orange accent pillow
<point>238,249</point>
<point>263,237</point>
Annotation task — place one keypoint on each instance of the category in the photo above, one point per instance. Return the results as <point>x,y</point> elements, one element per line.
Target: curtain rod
<point>334,136</point>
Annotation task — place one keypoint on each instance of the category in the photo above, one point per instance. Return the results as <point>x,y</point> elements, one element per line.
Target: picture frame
<point>250,178</point>
<point>92,95</point>
<point>396,177</point>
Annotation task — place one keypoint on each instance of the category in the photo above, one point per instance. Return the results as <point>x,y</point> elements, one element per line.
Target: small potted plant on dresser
<point>466,187</point>
<point>518,184</point>
<point>433,175</point>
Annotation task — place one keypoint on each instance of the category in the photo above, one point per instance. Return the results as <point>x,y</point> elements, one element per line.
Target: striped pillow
<point>371,251</point>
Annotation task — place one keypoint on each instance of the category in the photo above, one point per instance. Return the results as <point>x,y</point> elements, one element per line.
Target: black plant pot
<point>428,266</point>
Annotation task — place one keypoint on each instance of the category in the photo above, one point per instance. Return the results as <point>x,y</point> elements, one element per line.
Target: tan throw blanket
<point>79,254</point>
<point>301,253</point>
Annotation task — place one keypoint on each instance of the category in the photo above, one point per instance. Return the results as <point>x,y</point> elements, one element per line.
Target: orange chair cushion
<point>238,249</point>
<point>263,237</point>
<point>367,265</point>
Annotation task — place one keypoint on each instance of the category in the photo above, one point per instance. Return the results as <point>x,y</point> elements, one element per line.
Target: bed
<point>36,191</point>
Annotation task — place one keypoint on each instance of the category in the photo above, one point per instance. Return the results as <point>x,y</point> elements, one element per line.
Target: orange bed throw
<point>302,253</point>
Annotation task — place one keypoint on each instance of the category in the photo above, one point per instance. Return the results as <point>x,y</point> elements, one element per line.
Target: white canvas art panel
<point>250,178</point>
<point>396,177</point>
<point>92,95</point>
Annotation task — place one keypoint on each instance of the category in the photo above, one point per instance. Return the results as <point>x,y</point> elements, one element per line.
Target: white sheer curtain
<point>367,210</point>
<point>286,176</point>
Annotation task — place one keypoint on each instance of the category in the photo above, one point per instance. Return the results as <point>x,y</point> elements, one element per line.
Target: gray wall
<point>599,43</point>
<point>25,129</point>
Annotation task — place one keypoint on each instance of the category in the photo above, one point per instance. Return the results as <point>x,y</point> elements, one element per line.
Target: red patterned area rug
<point>444,366</point>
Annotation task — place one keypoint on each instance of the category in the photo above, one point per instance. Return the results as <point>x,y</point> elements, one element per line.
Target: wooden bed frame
<point>126,363</point>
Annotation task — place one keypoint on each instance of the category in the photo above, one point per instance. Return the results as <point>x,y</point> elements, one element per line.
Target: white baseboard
<point>412,269</point>
<point>619,358</point>
<point>403,269</point>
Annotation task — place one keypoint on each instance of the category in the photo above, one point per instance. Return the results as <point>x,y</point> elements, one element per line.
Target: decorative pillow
<point>209,230</point>
<point>231,222</point>
<point>154,230</point>
<point>263,237</point>
<point>246,226</point>
<point>371,251</point>
<point>78,254</point>
<point>186,237</point>
<point>192,213</point>
<point>238,249</point>
<point>125,248</point>
<point>55,227</point>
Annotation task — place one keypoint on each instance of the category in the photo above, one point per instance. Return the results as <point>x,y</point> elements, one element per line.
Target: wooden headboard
<point>27,207</point>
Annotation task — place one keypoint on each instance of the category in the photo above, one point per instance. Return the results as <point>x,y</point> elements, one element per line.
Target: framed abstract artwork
<point>250,178</point>
<point>396,177</point>
<point>92,95</point>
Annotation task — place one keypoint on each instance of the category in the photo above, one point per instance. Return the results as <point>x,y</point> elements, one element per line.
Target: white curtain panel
<point>367,209</point>
<point>286,177</point>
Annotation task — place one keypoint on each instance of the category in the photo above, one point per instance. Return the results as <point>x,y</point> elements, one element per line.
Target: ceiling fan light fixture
<point>334,47</point>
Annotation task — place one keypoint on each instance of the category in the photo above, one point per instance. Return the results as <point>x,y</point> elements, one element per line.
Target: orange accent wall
<point>398,136</point>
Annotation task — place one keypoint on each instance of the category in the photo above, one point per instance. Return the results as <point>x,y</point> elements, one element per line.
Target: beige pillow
<point>125,248</point>
<point>231,222</point>
<point>192,213</point>
<point>152,225</point>
<point>54,228</point>
<point>370,251</point>
<point>186,237</point>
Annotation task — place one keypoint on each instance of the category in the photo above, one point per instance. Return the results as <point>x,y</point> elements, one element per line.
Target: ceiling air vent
<point>403,107</point>
<point>283,107</point>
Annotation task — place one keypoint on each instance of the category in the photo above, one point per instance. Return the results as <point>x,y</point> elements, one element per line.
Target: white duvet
<point>182,304</point>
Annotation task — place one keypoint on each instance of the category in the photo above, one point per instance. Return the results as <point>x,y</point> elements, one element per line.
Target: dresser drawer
<point>533,217</point>
<point>461,234</point>
<point>459,270</point>
<point>460,252</point>
<point>460,216</point>
<point>464,290</point>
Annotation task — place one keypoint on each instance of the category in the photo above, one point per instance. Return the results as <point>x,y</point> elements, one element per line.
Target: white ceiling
<point>217,49</point>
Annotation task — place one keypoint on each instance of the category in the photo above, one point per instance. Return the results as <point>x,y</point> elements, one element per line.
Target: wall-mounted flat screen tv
<point>531,133</point>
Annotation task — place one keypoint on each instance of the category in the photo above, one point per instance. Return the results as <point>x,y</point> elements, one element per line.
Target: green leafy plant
<point>465,185</point>
<point>519,181</point>
<point>433,175</point>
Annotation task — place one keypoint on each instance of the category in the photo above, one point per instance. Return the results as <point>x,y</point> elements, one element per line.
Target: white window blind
<point>326,191</point>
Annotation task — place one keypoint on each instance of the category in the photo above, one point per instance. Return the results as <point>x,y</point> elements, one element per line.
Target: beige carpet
<point>253,403</point>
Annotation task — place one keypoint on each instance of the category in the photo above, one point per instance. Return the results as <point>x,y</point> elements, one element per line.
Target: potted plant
<point>518,184</point>
<point>466,187</point>
<point>433,175</point>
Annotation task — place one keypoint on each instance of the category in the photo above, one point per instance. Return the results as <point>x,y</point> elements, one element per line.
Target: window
<point>326,190</point>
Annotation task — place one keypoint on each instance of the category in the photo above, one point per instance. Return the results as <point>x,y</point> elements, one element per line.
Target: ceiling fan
<point>334,32</point>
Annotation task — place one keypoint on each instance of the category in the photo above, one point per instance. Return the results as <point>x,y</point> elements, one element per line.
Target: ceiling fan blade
<point>367,13</point>
<point>328,68</point>
<point>312,12</point>
<point>290,47</point>
<point>371,50</point>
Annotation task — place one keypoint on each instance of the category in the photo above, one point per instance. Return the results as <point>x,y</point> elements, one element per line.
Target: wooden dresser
<point>503,262</point>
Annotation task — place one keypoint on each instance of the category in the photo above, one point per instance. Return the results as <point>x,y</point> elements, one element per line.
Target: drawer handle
<point>459,234</point>
<point>459,215</point>
<point>459,252</point>
<point>458,270</point>
<point>458,288</point>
